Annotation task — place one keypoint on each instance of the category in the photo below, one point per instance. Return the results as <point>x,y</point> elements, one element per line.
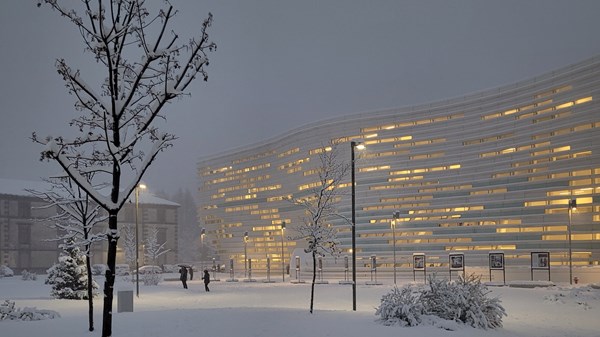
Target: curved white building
<point>492,171</point>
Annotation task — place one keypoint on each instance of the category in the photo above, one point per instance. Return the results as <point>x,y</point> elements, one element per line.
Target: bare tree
<point>154,249</point>
<point>320,208</point>
<point>129,245</point>
<point>75,219</point>
<point>146,68</point>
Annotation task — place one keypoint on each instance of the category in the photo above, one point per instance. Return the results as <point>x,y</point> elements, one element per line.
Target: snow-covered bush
<point>27,276</point>
<point>463,301</point>
<point>9,312</point>
<point>69,276</point>
<point>5,271</point>
<point>401,307</point>
<point>152,279</point>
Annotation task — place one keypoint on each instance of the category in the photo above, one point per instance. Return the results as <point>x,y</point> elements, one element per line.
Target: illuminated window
<point>264,188</point>
<point>319,150</point>
<point>294,163</point>
<point>374,168</point>
<point>289,152</point>
<point>583,100</point>
<point>427,156</point>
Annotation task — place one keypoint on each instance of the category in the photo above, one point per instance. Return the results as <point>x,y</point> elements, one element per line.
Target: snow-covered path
<point>276,309</point>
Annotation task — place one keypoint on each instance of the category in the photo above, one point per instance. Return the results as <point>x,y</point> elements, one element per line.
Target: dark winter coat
<point>183,274</point>
<point>206,277</point>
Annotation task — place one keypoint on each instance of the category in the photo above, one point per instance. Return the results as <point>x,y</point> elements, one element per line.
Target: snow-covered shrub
<point>152,279</point>
<point>68,277</point>
<point>464,301</point>
<point>9,312</point>
<point>5,271</point>
<point>401,307</point>
<point>27,276</point>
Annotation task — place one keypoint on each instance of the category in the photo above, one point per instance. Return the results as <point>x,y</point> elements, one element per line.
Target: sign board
<point>540,260</point>
<point>497,261</point>
<point>419,262</point>
<point>457,261</point>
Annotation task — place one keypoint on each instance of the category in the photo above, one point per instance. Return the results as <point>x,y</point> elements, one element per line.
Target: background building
<point>26,240</point>
<point>491,171</point>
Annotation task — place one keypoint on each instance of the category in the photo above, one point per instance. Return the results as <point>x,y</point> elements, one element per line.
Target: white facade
<point>492,171</point>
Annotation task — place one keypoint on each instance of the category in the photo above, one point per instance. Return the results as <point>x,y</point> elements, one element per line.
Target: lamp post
<point>360,146</point>
<point>396,216</point>
<point>137,233</point>
<point>282,252</point>
<point>572,207</point>
<point>202,235</point>
<point>245,254</point>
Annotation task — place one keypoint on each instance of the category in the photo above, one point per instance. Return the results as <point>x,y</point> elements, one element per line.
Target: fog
<point>282,64</point>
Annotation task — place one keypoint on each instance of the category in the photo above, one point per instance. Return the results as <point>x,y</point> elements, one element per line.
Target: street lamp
<point>245,254</point>
<point>202,236</point>
<point>360,146</point>
<point>396,216</point>
<point>282,252</point>
<point>572,207</point>
<point>141,186</point>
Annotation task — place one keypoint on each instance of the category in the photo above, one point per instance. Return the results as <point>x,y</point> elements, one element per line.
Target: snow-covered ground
<point>277,309</point>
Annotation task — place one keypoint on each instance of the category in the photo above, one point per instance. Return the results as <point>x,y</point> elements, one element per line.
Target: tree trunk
<point>314,277</point>
<point>90,292</point>
<point>109,283</point>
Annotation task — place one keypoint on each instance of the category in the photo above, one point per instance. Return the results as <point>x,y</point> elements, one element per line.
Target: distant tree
<point>154,249</point>
<point>146,68</point>
<point>320,208</point>
<point>68,277</point>
<point>190,246</point>
<point>75,220</point>
<point>129,245</point>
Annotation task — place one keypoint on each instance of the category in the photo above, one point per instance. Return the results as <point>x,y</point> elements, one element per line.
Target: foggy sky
<point>282,64</point>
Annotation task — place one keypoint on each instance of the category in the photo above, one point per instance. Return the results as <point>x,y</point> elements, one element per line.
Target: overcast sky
<point>282,64</point>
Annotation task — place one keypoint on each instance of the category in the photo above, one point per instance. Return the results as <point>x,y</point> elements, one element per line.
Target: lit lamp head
<point>357,144</point>
<point>245,236</point>
<point>141,186</point>
<point>283,225</point>
<point>573,204</point>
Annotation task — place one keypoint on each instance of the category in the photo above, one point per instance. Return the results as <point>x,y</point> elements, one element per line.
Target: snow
<point>281,309</point>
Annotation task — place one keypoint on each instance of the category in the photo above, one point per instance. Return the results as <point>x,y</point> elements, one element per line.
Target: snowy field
<point>277,310</point>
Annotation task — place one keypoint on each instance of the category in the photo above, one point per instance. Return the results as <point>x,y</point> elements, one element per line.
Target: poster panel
<point>419,262</point>
<point>540,260</point>
<point>497,261</point>
<point>457,261</point>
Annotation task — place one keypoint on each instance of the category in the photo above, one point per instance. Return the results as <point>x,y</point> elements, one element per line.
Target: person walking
<point>183,276</point>
<point>191,273</point>
<point>206,279</point>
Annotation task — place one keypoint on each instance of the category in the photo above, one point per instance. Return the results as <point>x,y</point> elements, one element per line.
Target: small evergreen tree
<point>68,277</point>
